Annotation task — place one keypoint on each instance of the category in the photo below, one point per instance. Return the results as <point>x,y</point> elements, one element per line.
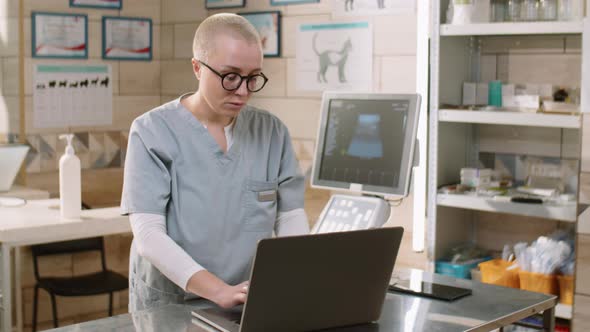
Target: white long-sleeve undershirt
<point>153,243</point>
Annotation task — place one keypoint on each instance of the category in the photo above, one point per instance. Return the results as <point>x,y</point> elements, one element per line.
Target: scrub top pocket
<point>260,205</point>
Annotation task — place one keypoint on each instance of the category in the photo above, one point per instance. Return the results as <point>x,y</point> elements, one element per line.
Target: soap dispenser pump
<point>70,196</point>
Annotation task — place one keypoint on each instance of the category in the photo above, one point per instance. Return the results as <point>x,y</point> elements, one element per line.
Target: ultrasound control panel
<point>345,213</point>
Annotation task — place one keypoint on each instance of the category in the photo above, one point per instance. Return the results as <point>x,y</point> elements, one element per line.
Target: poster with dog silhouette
<point>334,56</point>
<point>372,7</point>
<point>72,95</point>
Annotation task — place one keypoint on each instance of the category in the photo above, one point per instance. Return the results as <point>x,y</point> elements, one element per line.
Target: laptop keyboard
<point>221,319</point>
<point>233,316</point>
<point>394,280</point>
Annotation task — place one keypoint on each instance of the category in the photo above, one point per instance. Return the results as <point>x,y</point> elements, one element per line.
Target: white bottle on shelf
<point>70,196</point>
<point>461,12</point>
<point>570,10</point>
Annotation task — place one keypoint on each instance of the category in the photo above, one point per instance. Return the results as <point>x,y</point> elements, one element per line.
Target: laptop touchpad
<point>223,320</point>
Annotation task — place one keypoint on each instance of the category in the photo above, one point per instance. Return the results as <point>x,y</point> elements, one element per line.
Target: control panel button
<point>331,226</point>
<point>357,220</point>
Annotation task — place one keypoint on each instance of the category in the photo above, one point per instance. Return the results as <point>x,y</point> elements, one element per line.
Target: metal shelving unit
<point>454,135</point>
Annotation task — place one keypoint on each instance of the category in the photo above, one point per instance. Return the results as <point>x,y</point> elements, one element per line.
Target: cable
<point>396,202</point>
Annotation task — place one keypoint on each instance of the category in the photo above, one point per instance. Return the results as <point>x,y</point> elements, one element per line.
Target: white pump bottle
<point>70,196</point>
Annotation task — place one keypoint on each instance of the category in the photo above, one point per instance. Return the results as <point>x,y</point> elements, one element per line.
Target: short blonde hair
<point>212,26</point>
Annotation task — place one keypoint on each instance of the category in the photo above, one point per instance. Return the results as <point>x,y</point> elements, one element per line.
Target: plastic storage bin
<point>457,270</point>
<point>497,272</point>
<point>537,282</point>
<point>566,289</point>
<point>476,274</point>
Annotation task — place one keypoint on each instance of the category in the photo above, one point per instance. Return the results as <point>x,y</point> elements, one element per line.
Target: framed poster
<point>126,38</point>
<point>372,7</point>
<point>56,35</point>
<point>66,95</point>
<point>291,2</point>
<point>268,25</point>
<point>103,4</point>
<point>334,56</point>
<point>213,4</point>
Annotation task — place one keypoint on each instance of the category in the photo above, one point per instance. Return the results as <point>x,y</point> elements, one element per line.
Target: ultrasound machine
<point>366,145</point>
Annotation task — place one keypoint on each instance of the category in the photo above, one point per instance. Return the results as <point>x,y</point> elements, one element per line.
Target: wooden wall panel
<point>583,265</point>
<point>581,319</point>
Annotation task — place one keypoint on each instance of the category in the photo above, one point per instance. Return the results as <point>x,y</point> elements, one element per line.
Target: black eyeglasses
<point>233,81</point>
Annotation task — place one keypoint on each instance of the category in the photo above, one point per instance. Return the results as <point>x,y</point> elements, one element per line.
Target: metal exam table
<point>488,308</point>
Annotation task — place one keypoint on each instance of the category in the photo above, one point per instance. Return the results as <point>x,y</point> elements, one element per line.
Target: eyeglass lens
<point>232,81</point>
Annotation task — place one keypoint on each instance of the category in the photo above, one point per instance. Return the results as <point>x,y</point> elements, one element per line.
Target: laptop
<point>11,158</point>
<point>313,282</point>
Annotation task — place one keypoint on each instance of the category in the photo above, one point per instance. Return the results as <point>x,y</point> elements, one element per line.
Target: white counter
<point>39,221</point>
<point>25,193</point>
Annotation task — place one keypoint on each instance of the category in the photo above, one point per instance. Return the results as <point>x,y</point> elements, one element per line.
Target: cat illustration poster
<point>372,7</point>
<point>335,56</point>
<point>67,95</point>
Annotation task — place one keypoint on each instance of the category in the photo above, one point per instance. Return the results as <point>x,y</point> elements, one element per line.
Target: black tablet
<point>431,290</point>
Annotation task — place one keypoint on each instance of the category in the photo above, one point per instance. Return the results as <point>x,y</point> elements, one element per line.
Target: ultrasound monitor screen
<point>364,141</point>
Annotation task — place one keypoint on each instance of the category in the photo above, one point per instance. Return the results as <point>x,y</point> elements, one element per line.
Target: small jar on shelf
<point>570,10</point>
<point>498,11</point>
<point>529,10</point>
<point>547,10</point>
<point>574,95</point>
<point>513,10</point>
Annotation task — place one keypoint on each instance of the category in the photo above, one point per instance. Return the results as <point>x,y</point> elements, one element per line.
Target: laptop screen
<point>316,276</point>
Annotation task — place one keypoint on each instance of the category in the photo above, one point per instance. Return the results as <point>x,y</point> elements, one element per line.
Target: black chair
<point>101,282</point>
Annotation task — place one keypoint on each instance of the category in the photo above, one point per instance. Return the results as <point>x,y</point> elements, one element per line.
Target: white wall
<point>9,118</point>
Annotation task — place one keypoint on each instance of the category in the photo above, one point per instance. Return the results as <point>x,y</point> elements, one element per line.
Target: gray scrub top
<point>217,205</point>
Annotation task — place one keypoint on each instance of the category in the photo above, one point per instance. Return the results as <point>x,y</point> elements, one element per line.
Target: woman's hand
<point>209,286</point>
<point>231,296</point>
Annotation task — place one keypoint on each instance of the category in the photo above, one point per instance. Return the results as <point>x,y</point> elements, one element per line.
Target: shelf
<point>563,212</point>
<point>518,28</point>
<point>511,118</point>
<point>563,311</point>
